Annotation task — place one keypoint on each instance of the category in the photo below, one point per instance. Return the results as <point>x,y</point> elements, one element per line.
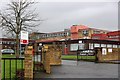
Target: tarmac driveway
<point>81,69</point>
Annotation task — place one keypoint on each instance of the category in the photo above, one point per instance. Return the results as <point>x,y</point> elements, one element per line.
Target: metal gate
<point>37,58</point>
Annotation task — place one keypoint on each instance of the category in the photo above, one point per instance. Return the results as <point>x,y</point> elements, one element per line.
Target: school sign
<point>24,37</point>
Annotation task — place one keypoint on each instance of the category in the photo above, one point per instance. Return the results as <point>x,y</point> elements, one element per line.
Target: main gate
<point>47,55</point>
<point>37,58</point>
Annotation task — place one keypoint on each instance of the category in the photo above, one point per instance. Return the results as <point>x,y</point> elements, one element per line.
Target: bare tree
<point>18,16</point>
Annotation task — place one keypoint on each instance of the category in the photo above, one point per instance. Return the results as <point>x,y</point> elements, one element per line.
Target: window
<point>55,35</point>
<point>109,45</point>
<point>74,47</point>
<point>3,42</point>
<point>118,46</point>
<point>68,33</point>
<point>90,45</point>
<point>85,32</point>
<point>12,42</point>
<point>45,35</point>
<point>96,45</point>
<point>96,31</point>
<point>114,46</point>
<point>8,42</point>
<point>62,34</point>
<point>0,42</point>
<point>52,35</point>
<point>103,45</point>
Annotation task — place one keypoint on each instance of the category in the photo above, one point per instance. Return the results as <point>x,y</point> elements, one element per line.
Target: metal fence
<point>10,68</point>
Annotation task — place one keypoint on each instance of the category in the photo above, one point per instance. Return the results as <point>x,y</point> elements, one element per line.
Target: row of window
<point>96,32</point>
<point>54,35</point>
<point>91,45</point>
<point>74,47</point>
<point>7,42</point>
<point>97,37</point>
<point>114,36</point>
<point>86,32</point>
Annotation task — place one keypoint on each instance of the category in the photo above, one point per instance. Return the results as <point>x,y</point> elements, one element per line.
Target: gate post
<point>28,64</point>
<point>47,63</point>
<point>46,59</point>
<point>0,65</point>
<point>96,55</point>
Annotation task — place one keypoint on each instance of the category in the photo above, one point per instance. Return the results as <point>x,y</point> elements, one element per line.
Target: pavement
<point>81,69</point>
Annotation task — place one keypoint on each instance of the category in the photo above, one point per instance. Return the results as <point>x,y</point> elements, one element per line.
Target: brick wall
<point>110,55</point>
<point>55,54</point>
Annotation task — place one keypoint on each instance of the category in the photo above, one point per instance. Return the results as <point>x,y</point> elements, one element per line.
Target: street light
<point>40,47</point>
<point>78,50</point>
<point>40,44</point>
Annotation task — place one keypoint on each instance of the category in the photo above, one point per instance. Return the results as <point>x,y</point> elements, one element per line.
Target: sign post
<point>23,39</point>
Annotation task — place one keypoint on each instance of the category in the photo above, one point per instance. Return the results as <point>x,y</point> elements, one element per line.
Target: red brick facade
<point>114,35</point>
<point>99,36</point>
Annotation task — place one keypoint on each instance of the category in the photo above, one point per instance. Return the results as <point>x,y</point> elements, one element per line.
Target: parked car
<point>88,52</point>
<point>7,51</point>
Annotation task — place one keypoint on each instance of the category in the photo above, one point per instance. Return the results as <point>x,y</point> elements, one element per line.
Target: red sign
<point>24,41</point>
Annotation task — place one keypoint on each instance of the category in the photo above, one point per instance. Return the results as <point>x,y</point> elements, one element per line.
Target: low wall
<point>108,54</point>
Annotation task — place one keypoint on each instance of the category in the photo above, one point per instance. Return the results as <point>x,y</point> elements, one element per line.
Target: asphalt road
<point>80,69</point>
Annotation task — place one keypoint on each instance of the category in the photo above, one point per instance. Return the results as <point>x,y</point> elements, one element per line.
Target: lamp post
<point>40,47</point>
<point>78,50</point>
<point>66,44</point>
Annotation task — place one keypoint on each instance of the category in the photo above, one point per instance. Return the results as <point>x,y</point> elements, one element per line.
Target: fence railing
<point>10,66</point>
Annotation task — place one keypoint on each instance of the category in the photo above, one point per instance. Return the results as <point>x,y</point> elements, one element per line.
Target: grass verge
<point>74,57</point>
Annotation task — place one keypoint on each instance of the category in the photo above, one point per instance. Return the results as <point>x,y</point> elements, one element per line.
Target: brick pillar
<point>99,55</point>
<point>47,63</point>
<point>46,58</point>
<point>0,65</point>
<point>0,62</point>
<point>28,64</point>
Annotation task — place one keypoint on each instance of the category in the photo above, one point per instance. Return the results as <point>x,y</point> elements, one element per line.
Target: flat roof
<point>84,41</point>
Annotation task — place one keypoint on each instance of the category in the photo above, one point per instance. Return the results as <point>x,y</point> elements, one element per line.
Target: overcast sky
<point>59,15</point>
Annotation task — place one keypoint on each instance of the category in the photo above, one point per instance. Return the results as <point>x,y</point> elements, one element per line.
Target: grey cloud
<point>61,15</point>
